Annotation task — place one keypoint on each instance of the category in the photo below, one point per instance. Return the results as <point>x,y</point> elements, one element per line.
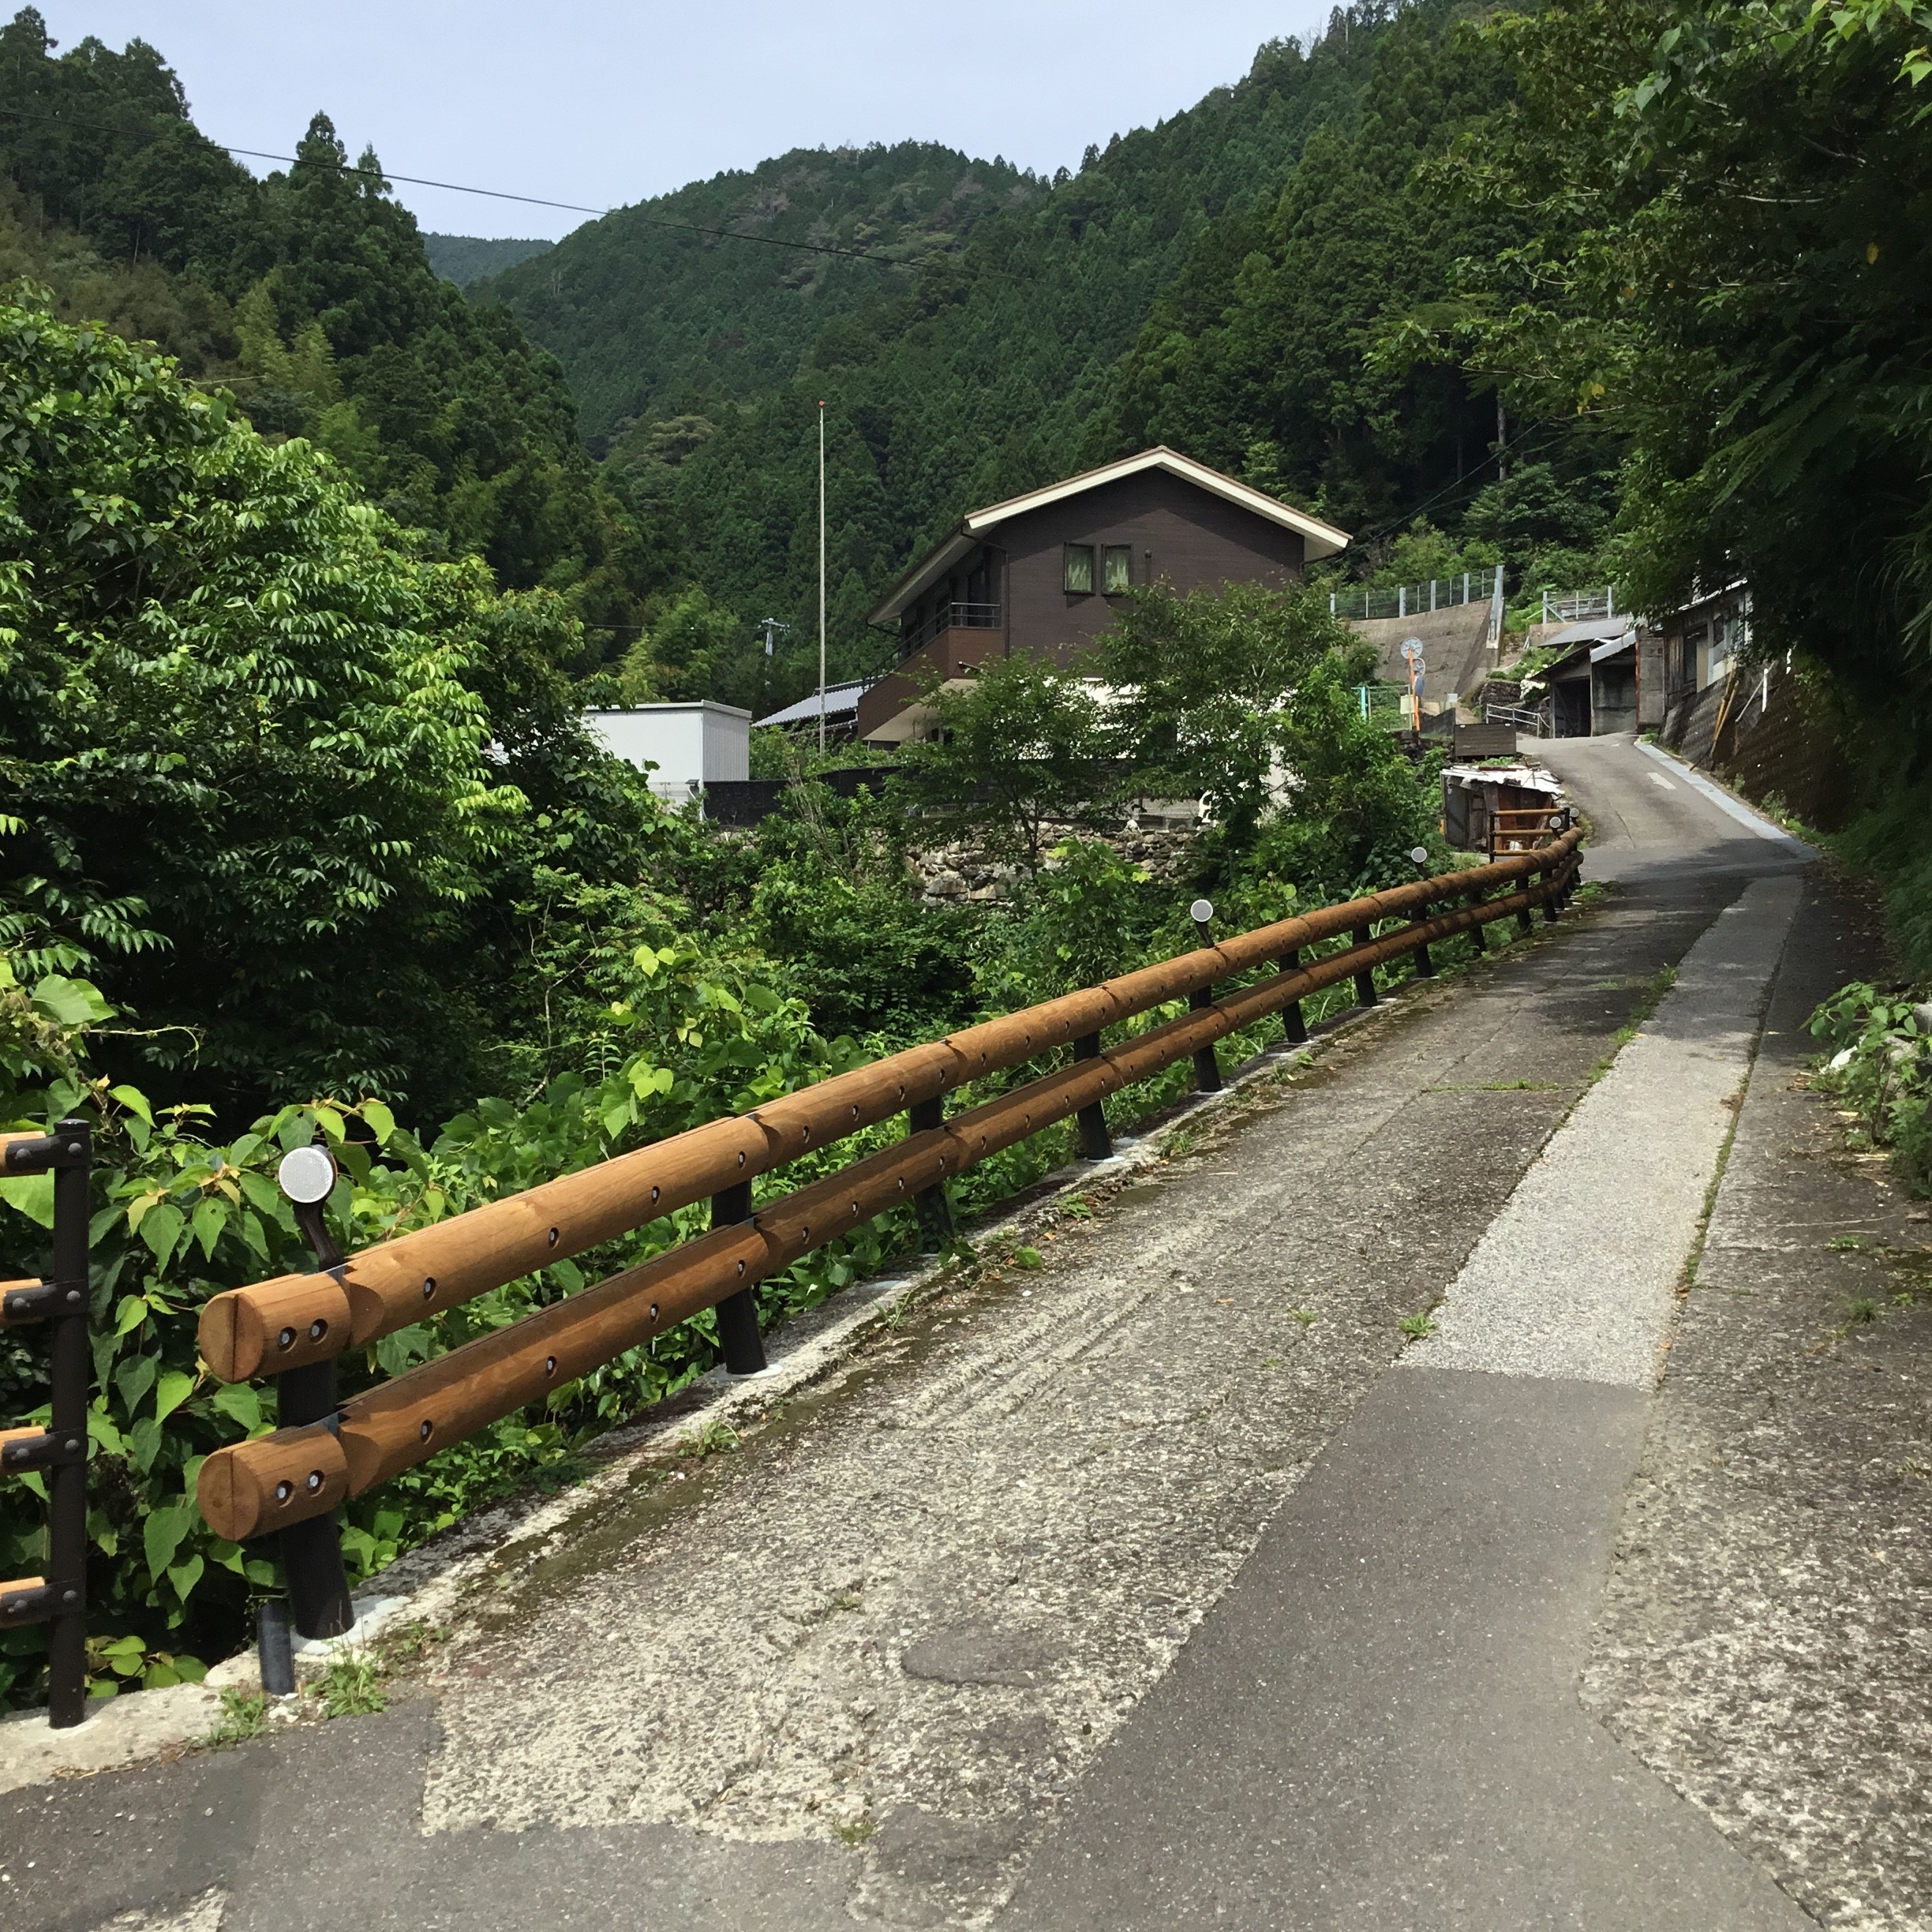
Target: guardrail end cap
<point>215,1496</point>
<point>215,1337</point>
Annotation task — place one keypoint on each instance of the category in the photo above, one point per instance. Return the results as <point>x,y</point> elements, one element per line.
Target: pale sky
<point>597,102</point>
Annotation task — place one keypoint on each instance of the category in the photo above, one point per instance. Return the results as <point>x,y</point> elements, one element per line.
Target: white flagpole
<point>822,607</point>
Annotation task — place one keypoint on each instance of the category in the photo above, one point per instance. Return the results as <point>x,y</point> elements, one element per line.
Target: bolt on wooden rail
<point>295,1475</point>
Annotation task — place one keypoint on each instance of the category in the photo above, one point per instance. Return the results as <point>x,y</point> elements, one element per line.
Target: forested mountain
<point>1217,282</point>
<point>309,295</point>
<point>653,314</point>
<point>464,259</point>
<point>630,418</point>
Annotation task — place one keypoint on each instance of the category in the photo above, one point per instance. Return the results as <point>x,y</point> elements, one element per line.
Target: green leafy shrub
<point>181,1214</point>
<point>1881,1067</point>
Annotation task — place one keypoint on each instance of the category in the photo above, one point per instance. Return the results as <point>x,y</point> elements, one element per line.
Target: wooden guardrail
<point>1520,828</point>
<point>297,1324</point>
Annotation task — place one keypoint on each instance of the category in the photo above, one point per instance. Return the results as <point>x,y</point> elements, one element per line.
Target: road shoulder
<point>1763,1647</point>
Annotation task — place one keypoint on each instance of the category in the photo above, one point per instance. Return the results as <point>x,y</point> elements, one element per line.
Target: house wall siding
<point>1179,535</point>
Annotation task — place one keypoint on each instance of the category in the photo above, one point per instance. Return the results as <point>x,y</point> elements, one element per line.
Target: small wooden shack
<point>1500,805</point>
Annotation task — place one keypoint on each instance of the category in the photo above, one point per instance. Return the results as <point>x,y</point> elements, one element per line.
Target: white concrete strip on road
<point>1577,1277</point>
<point>1723,799</point>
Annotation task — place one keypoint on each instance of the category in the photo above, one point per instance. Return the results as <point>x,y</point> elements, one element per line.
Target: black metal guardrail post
<point>1207,1062</point>
<point>67,1480</point>
<point>1096,1144</point>
<point>59,1599</point>
<point>1425,966</point>
<point>273,1647</point>
<point>737,1314</point>
<point>312,1558</point>
<point>1294,1027</point>
<point>1552,910</point>
<point>1364,982</point>
<point>929,1205</point>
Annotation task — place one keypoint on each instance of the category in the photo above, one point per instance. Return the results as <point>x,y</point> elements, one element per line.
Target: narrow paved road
<point>1380,1726</point>
<point>1170,1582</point>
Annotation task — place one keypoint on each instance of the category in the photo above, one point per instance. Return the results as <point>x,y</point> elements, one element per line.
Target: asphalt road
<point>1168,1583</point>
<point>1378,1725</point>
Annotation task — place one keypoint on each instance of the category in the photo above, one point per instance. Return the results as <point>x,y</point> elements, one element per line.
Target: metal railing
<point>60,1303</point>
<point>950,617</point>
<point>1580,606</point>
<point>1389,703</point>
<point>1411,600</point>
<point>1534,718</point>
<point>290,1325</point>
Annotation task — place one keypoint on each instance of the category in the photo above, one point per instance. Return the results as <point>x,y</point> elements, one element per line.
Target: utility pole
<point>1502,437</point>
<point>821,601</point>
<point>771,627</point>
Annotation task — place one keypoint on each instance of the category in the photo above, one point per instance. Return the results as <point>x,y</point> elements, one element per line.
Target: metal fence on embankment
<point>297,1325</point>
<point>1414,600</point>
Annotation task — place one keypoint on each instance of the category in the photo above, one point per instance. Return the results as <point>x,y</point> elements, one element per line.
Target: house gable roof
<point>1320,539</point>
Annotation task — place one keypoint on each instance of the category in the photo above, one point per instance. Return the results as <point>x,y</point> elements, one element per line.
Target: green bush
<point>181,1214</point>
<point>1880,1066</point>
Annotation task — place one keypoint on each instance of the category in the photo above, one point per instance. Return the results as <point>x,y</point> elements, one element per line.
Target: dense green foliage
<point>1725,265</point>
<point>1256,358</point>
<point>464,259</point>
<point>293,789</point>
<point>1880,1045</point>
<point>1210,689</point>
<point>1016,757</point>
<point>653,313</point>
<point>309,294</point>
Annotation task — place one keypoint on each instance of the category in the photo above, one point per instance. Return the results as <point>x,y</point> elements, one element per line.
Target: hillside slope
<point>976,360</point>
<point>1217,282</point>
<point>464,259</point>
<point>651,317</point>
<point>308,294</point>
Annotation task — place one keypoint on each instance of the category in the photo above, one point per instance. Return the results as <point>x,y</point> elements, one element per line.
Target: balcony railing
<point>951,617</point>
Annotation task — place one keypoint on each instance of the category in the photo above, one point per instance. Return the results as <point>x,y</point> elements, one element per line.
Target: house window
<point>1079,575</point>
<point>1118,564</point>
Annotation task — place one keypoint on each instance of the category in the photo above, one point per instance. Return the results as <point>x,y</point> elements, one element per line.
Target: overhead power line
<point>492,194</point>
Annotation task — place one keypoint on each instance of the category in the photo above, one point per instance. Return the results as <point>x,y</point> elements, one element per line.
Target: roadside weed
<point>244,1714</point>
<point>351,1686</point>
<point>716,1437</point>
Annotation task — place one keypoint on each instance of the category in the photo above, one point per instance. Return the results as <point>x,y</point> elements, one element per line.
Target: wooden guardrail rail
<point>297,1322</point>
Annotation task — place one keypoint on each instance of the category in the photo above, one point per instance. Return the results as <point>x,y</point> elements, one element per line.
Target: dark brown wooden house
<point>1042,573</point>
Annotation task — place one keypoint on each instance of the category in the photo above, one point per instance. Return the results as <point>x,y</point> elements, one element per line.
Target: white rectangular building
<point>691,745</point>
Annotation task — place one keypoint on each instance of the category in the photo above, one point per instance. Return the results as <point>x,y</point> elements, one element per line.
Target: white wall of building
<point>692,745</point>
